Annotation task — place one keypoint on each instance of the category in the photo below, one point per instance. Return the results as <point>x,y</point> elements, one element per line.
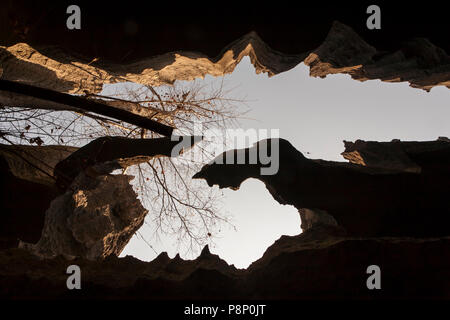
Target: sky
<point>315,115</point>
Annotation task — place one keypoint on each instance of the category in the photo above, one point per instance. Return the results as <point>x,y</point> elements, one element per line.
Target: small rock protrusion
<point>205,252</point>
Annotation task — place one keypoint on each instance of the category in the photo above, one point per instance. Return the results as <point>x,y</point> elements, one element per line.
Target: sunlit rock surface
<point>389,206</point>
<point>417,61</point>
<point>403,195</point>
<point>353,216</point>
<point>34,164</point>
<point>95,218</point>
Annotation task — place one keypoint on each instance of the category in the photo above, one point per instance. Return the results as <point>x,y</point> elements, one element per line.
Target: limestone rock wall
<point>401,190</point>
<point>94,219</point>
<point>418,61</point>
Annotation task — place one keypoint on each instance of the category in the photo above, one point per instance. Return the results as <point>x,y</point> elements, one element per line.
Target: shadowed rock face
<point>23,206</point>
<point>365,201</point>
<point>394,189</point>
<point>396,155</point>
<point>324,262</point>
<point>94,219</point>
<point>34,164</point>
<point>106,154</point>
<point>418,61</point>
<point>308,266</point>
<point>88,212</point>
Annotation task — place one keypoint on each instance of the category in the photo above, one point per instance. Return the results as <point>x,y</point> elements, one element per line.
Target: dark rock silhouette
<point>107,154</point>
<point>384,200</point>
<point>345,231</point>
<point>308,266</point>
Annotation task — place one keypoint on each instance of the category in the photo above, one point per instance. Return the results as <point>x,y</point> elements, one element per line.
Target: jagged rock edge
<point>343,51</point>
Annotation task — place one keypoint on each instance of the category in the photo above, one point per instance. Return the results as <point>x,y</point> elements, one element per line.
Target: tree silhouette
<point>177,204</point>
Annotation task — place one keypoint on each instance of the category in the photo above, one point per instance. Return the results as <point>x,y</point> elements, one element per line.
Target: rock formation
<point>111,153</point>
<point>307,266</point>
<point>97,213</point>
<point>389,206</point>
<point>397,155</point>
<point>387,199</point>
<point>418,61</point>
<point>34,164</point>
<point>353,216</point>
<point>94,219</point>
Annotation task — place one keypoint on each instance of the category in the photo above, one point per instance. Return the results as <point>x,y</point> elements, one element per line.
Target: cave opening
<point>316,115</point>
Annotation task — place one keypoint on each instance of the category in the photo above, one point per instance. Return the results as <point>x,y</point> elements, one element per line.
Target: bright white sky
<point>315,115</point>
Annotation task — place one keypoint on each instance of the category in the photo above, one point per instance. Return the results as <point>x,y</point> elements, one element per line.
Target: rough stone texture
<point>65,73</point>
<point>418,61</point>
<point>365,201</point>
<point>324,262</point>
<point>27,186</point>
<point>29,183</point>
<point>32,163</point>
<point>94,219</point>
<point>23,205</point>
<point>395,155</point>
<point>106,154</point>
<point>343,51</point>
<point>307,266</point>
<point>315,218</point>
<point>319,263</point>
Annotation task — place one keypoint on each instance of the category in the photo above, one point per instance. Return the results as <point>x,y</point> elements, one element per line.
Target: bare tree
<point>177,204</point>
